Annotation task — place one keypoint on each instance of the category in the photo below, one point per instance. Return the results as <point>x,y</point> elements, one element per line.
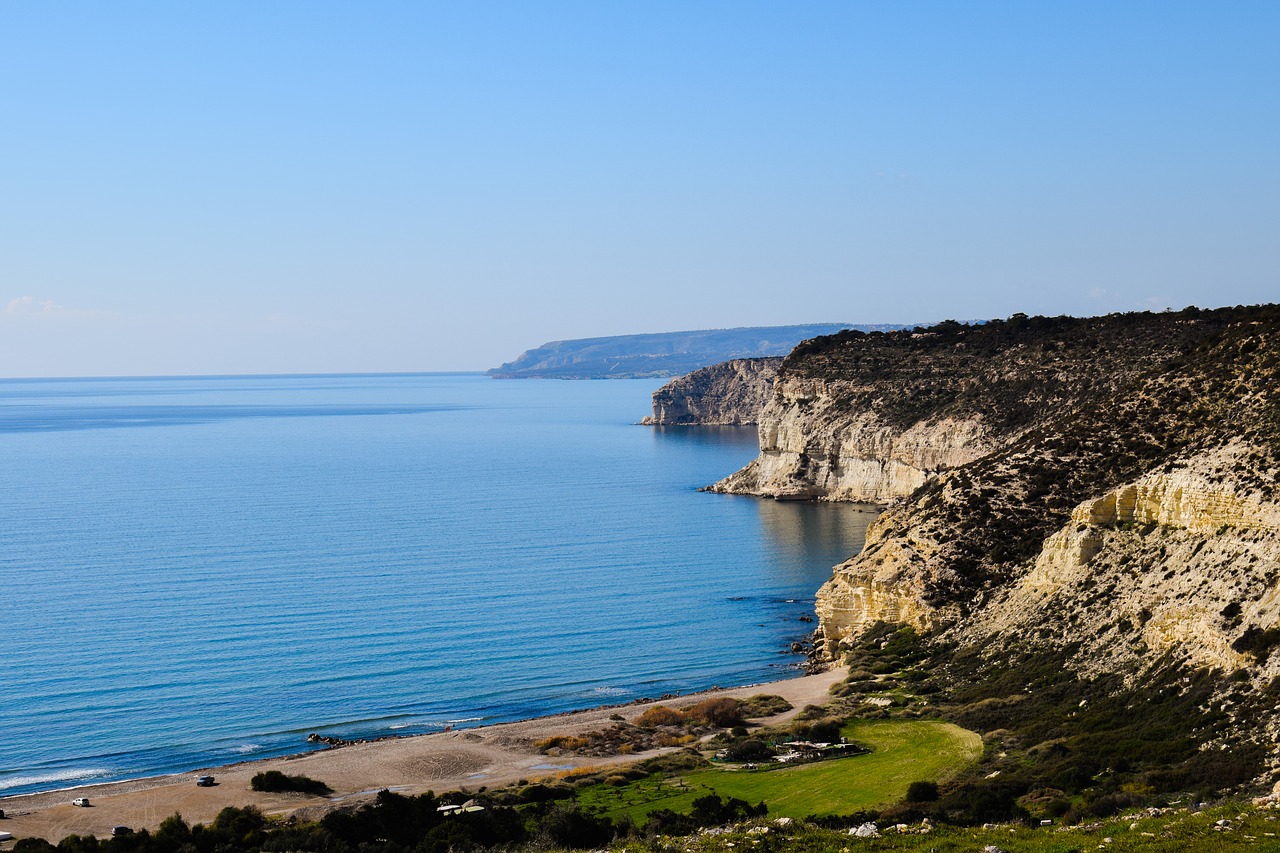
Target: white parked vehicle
<point>80,801</point>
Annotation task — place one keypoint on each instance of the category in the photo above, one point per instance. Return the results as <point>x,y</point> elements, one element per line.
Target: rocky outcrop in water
<point>731,393</point>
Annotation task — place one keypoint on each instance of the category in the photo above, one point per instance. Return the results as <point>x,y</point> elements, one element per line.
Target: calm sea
<point>197,571</point>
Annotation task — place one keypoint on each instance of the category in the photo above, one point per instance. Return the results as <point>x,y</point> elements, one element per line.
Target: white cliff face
<point>1166,554</point>
<point>1181,561</point>
<point>1179,555</point>
<point>1101,496</point>
<point>884,583</point>
<point>1184,499</point>
<point>888,581</point>
<point>812,446</point>
<point>728,394</point>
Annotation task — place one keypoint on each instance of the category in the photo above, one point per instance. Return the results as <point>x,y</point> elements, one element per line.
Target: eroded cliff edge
<point>731,393</point>
<point>1101,490</point>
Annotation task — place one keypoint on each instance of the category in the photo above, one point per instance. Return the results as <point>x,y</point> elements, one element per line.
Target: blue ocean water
<point>197,571</point>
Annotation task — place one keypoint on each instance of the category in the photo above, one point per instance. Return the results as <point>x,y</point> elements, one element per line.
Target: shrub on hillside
<point>1112,804</point>
<point>659,715</point>
<point>708,810</point>
<point>748,749</point>
<point>567,825</point>
<point>922,792</point>
<point>721,712</point>
<point>277,782</point>
<point>821,731</point>
<point>764,705</point>
<point>561,742</point>
<point>675,762</point>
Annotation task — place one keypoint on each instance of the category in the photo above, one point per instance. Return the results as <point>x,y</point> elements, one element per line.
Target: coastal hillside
<point>1086,504</point>
<point>660,354</point>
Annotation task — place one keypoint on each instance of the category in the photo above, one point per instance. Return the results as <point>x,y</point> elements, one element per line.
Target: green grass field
<point>903,751</point>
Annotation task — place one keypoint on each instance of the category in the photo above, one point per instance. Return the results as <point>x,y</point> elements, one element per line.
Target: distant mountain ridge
<point>662,354</point>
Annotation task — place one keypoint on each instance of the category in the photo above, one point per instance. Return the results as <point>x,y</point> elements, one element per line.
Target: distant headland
<point>663,354</point>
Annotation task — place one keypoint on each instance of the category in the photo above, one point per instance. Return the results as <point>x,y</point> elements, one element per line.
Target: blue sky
<point>241,187</point>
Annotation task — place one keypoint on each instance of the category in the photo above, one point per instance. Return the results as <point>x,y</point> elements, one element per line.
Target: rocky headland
<point>731,393</point>
<point>1088,500</point>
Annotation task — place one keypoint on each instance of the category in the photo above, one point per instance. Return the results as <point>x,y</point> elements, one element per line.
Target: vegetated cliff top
<point>1025,370</point>
<point>660,354</point>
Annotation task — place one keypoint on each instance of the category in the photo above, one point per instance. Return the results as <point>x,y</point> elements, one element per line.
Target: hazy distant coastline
<point>662,354</point>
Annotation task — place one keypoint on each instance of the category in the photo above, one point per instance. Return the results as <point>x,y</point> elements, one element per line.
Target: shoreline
<point>491,755</point>
<point>325,746</point>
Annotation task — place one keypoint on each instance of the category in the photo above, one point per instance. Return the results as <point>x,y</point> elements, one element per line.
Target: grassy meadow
<point>903,751</point>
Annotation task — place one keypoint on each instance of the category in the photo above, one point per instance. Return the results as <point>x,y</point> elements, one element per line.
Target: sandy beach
<point>490,756</point>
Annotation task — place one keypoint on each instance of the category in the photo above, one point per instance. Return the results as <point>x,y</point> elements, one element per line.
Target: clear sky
<point>248,187</point>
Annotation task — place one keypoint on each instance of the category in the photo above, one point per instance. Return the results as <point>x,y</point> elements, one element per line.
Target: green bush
<point>659,715</point>
<point>922,792</point>
<point>675,762</point>
<point>567,825</point>
<point>276,782</point>
<point>764,705</point>
<point>820,731</point>
<point>721,712</point>
<point>748,749</point>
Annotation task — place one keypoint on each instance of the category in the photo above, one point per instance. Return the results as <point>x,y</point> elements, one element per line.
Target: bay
<point>203,570</point>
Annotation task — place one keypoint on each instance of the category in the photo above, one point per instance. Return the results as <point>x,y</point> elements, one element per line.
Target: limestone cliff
<point>1101,489</point>
<point>1177,561</point>
<point>872,417</point>
<point>1139,420</point>
<point>812,445</point>
<point>1149,567</point>
<point>731,393</point>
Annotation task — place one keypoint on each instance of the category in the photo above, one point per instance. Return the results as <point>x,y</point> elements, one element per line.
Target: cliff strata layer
<point>812,446</point>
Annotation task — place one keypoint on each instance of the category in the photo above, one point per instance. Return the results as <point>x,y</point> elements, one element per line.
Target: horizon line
<point>124,377</point>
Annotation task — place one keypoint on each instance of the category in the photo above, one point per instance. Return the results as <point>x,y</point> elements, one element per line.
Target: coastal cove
<point>370,556</point>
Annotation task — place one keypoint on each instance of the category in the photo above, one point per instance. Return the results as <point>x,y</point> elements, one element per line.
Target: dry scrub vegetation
<point>663,726</point>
